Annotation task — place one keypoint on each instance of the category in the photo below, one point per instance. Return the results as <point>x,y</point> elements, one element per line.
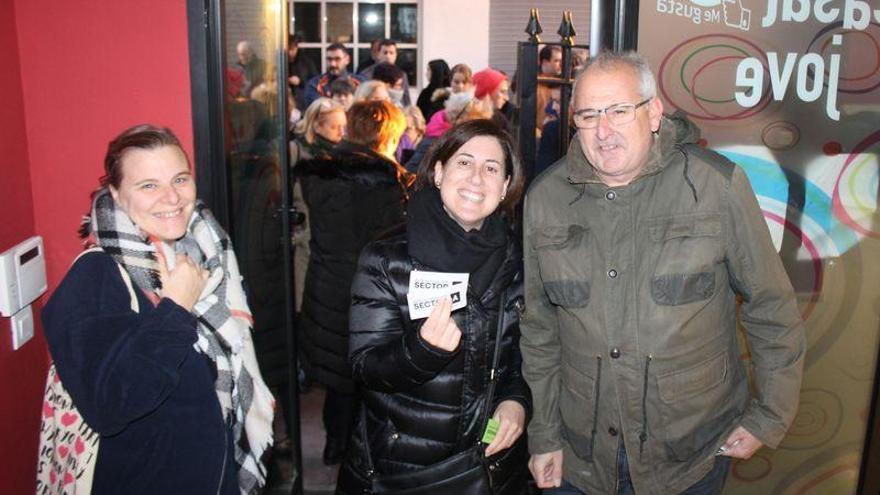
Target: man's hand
<point>741,444</point>
<point>512,418</point>
<point>440,329</point>
<point>547,469</point>
<point>293,80</point>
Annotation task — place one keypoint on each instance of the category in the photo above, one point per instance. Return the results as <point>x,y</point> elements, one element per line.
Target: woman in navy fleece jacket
<point>147,380</point>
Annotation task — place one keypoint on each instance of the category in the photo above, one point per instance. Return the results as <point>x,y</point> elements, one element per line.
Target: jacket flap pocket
<point>577,382</point>
<point>682,288</point>
<point>689,382</point>
<point>568,293</point>
<point>557,237</point>
<point>695,225</point>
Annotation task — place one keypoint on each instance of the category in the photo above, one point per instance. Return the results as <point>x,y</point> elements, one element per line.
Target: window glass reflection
<point>407,60</point>
<point>404,23</point>
<point>339,24</point>
<point>371,21</point>
<point>307,21</point>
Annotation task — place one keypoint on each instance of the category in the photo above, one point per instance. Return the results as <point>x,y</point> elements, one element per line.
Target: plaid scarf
<point>224,319</point>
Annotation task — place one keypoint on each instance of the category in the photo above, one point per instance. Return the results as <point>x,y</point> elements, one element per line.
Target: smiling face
<point>157,191</point>
<point>617,152</point>
<point>473,181</point>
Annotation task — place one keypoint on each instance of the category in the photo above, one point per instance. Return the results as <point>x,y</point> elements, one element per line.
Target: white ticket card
<point>426,288</point>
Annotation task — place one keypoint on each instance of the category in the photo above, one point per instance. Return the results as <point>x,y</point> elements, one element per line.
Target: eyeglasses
<point>619,114</point>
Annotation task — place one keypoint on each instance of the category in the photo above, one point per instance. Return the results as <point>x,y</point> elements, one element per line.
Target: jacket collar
<point>351,162</point>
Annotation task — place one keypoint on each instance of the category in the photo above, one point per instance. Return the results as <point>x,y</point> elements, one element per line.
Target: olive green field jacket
<point>631,316</point>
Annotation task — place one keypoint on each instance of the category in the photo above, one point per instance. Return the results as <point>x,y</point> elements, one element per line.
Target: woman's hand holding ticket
<point>440,329</point>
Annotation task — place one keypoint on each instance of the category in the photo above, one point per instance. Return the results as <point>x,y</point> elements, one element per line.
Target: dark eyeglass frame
<point>600,111</point>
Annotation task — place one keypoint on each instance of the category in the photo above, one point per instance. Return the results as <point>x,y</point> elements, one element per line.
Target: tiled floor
<point>318,479</point>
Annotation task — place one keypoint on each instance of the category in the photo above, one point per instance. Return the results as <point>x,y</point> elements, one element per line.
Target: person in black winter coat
<point>352,196</point>
<point>423,383</point>
<point>438,78</point>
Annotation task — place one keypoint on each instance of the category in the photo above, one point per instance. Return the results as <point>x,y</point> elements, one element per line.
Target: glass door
<point>238,51</point>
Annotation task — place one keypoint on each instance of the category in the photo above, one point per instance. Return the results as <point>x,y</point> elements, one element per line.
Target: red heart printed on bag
<point>79,446</point>
<point>55,379</point>
<point>68,419</point>
<point>63,451</point>
<point>47,409</point>
<point>68,478</point>
<point>53,477</point>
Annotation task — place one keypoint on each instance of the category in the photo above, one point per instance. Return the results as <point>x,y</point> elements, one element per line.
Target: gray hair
<point>608,61</point>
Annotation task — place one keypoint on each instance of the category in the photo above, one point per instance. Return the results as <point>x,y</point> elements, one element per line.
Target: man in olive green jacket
<point>637,245</point>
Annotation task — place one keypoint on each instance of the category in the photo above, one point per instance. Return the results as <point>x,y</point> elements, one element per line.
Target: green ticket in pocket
<point>491,430</point>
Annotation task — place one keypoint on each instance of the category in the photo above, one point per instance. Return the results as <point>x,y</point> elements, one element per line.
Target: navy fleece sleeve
<point>116,364</point>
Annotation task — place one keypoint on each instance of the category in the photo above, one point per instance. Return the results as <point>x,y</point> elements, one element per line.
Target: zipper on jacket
<point>643,436</point>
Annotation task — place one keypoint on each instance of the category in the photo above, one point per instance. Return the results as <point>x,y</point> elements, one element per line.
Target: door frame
<point>205,23</point>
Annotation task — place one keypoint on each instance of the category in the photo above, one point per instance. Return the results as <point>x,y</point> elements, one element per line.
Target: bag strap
<point>126,278</point>
<point>496,358</point>
<point>484,413</point>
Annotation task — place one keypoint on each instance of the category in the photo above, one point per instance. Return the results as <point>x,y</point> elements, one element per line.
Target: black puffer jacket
<point>352,197</point>
<point>421,403</point>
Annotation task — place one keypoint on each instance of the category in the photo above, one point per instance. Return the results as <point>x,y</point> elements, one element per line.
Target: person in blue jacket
<point>171,383</point>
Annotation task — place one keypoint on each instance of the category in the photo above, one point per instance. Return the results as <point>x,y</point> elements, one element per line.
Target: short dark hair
<point>337,46</point>
<point>446,145</point>
<point>386,42</point>
<point>294,39</point>
<point>341,86</point>
<point>387,73</point>
<point>546,53</point>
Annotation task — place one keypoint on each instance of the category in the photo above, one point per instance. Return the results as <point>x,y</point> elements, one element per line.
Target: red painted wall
<point>75,74</point>
<point>22,371</point>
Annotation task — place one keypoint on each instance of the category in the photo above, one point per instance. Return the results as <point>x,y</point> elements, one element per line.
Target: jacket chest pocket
<point>564,262</point>
<point>687,249</point>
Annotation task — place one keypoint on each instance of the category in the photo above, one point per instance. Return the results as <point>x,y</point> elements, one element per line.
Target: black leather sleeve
<point>385,353</point>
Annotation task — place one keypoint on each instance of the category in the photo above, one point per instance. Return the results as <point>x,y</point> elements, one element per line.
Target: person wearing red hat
<point>493,87</point>
<point>492,84</point>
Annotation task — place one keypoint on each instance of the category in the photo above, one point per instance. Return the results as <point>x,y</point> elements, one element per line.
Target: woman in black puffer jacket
<point>353,195</point>
<point>423,382</point>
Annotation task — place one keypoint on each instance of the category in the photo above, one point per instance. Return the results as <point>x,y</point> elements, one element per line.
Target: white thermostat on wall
<point>22,275</point>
